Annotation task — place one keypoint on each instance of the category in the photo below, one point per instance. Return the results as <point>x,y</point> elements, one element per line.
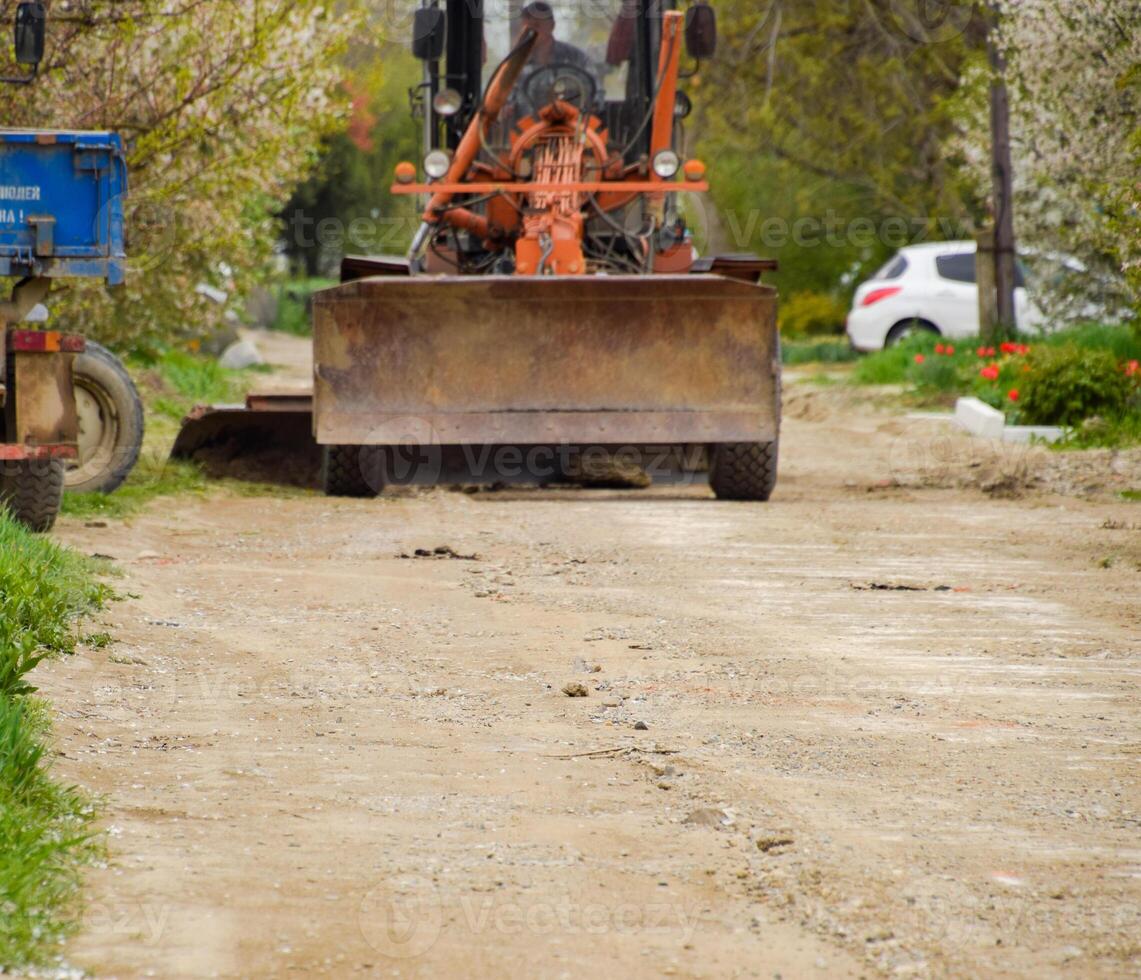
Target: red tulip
<point>919,358</point>
<point>1012,394</point>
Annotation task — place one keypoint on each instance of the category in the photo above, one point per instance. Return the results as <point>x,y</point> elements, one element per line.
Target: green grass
<point>1108,434</point>
<point>794,352</point>
<point>42,588</point>
<point>891,366</point>
<point>176,381</point>
<point>292,298</point>
<point>1124,341</point>
<point>46,831</point>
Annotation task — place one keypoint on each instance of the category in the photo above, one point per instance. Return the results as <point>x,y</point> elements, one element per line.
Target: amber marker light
<point>694,170</point>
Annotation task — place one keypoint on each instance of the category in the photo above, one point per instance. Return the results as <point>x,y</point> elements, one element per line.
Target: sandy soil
<point>320,757</point>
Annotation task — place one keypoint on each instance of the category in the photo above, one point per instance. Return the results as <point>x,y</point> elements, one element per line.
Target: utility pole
<point>996,257</point>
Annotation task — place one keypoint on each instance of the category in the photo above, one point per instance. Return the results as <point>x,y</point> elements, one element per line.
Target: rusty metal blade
<point>267,440</point>
<point>584,360</point>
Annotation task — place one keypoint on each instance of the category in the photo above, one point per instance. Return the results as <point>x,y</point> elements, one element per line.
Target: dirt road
<point>321,757</point>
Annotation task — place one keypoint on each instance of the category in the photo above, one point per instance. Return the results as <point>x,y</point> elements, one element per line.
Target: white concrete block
<point>979,419</point>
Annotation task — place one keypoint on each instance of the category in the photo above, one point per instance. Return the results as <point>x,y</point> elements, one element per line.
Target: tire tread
<point>744,470</point>
<point>32,491</point>
<point>342,473</point>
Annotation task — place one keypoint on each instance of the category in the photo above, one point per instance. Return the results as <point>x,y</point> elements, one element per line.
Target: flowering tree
<point>222,105</point>
<point>1074,69</point>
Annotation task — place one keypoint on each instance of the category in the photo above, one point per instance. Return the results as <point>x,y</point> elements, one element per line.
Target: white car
<point>930,288</point>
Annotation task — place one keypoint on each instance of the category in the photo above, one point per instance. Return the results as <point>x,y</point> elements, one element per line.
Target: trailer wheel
<point>744,470</point>
<point>110,422</point>
<point>32,490</point>
<point>352,471</point>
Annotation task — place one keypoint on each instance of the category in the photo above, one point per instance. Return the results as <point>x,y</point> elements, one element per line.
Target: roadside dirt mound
<point>926,451</point>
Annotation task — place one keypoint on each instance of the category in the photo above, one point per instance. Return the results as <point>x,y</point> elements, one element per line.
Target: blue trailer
<point>61,205</point>
<point>68,411</point>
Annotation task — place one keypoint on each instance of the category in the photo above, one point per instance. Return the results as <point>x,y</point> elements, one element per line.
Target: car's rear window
<point>960,267</point>
<point>893,270</point>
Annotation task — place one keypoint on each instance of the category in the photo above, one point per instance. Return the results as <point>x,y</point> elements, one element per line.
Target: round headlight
<point>667,164</point>
<point>437,164</point>
<point>682,106</point>
<point>447,102</point>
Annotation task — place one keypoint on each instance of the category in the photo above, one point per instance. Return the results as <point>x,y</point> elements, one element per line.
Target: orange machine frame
<point>549,232</point>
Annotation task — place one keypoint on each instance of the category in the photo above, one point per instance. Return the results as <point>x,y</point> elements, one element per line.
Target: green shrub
<point>803,314</point>
<point>1067,385</point>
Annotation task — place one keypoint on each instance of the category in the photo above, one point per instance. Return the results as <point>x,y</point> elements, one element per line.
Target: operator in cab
<point>555,69</point>
<point>540,18</point>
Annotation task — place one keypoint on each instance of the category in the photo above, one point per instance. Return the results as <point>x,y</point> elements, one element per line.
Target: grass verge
<point>46,833</point>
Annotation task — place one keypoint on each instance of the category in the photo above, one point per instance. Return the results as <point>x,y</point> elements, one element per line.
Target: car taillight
<point>877,294</point>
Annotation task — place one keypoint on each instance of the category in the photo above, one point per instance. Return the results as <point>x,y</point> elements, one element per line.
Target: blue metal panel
<point>61,204</point>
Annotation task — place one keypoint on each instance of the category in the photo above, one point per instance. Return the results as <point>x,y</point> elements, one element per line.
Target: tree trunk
<point>1003,177</point>
<point>986,277</point>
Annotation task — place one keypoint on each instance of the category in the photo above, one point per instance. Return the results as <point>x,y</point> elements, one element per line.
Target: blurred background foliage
<point>262,147</point>
<point>345,208</point>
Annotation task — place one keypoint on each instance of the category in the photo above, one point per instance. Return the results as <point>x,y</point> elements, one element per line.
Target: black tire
<point>744,470</point>
<point>32,490</point>
<point>905,328</point>
<point>352,471</point>
<point>110,420</point>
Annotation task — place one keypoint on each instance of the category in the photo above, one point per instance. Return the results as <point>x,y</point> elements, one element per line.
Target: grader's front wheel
<point>744,470</point>
<point>352,471</point>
